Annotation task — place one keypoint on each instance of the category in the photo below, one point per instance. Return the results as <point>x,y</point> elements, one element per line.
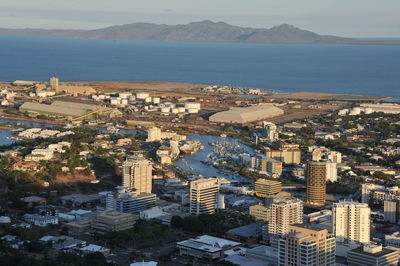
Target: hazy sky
<point>353,18</point>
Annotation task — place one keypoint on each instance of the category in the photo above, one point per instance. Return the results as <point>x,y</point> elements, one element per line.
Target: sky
<point>348,18</point>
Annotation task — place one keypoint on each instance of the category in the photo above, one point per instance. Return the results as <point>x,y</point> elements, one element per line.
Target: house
<point>40,220</point>
<point>23,166</point>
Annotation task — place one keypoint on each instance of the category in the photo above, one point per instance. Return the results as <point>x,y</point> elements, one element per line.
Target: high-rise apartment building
<point>316,183</point>
<point>283,212</point>
<point>333,156</point>
<point>203,196</point>
<point>270,132</point>
<point>137,174</point>
<point>305,245</point>
<point>267,188</point>
<point>331,172</point>
<point>285,155</point>
<point>351,222</point>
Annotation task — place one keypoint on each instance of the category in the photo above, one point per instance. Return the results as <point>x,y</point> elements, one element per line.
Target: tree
<point>177,221</point>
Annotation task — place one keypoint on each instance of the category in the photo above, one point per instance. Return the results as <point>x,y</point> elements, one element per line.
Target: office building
<point>206,247</point>
<point>393,240</point>
<point>259,213</point>
<point>372,255</point>
<point>108,221</point>
<point>137,174</point>
<point>305,245</point>
<point>130,202</point>
<point>351,222</point>
<point>377,194</point>
<point>270,132</point>
<point>203,196</point>
<point>316,183</point>
<point>267,188</point>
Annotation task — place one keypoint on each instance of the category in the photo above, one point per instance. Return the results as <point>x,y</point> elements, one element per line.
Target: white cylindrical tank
<point>181,109</point>
<point>147,100</point>
<point>174,110</point>
<point>124,94</point>
<point>142,95</point>
<point>193,110</point>
<point>156,100</point>
<point>368,110</point>
<point>165,110</point>
<point>115,100</point>
<point>221,202</point>
<point>355,111</point>
<point>192,106</point>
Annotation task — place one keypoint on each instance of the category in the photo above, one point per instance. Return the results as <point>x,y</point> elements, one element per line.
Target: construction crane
<point>98,112</point>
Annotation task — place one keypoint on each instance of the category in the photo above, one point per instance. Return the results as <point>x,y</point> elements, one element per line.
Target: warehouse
<point>60,108</point>
<point>247,114</point>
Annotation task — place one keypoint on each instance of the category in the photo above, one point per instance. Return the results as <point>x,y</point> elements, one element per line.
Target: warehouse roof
<point>52,109</point>
<point>247,114</point>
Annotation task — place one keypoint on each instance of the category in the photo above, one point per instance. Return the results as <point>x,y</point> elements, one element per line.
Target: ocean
<point>355,69</point>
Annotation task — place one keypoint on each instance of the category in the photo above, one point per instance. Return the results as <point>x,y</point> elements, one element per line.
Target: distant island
<point>203,31</point>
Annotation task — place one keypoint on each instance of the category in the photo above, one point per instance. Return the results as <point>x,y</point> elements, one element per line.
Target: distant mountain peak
<point>200,31</point>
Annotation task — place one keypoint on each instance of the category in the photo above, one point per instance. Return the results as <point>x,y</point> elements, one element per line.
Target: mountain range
<point>203,31</point>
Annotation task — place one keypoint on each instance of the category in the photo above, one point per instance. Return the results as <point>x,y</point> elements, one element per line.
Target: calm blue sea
<point>357,69</point>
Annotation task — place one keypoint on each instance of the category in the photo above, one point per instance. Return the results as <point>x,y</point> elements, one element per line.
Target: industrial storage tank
<point>124,94</point>
<point>355,111</point>
<point>115,100</point>
<point>192,105</point>
<point>156,100</point>
<point>165,110</point>
<point>368,110</point>
<point>142,95</point>
<point>193,110</point>
<point>124,101</point>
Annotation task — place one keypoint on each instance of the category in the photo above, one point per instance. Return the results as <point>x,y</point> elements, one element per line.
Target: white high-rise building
<point>351,222</point>
<point>283,212</point>
<point>137,174</point>
<point>270,131</point>
<point>331,172</point>
<point>153,134</point>
<point>333,156</point>
<point>204,195</point>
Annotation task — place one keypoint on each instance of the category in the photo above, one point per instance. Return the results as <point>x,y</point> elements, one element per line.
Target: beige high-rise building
<point>137,174</point>
<point>316,183</point>
<point>270,131</point>
<point>267,188</point>
<point>351,222</point>
<point>54,83</point>
<point>203,196</point>
<point>306,245</point>
<point>284,155</point>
